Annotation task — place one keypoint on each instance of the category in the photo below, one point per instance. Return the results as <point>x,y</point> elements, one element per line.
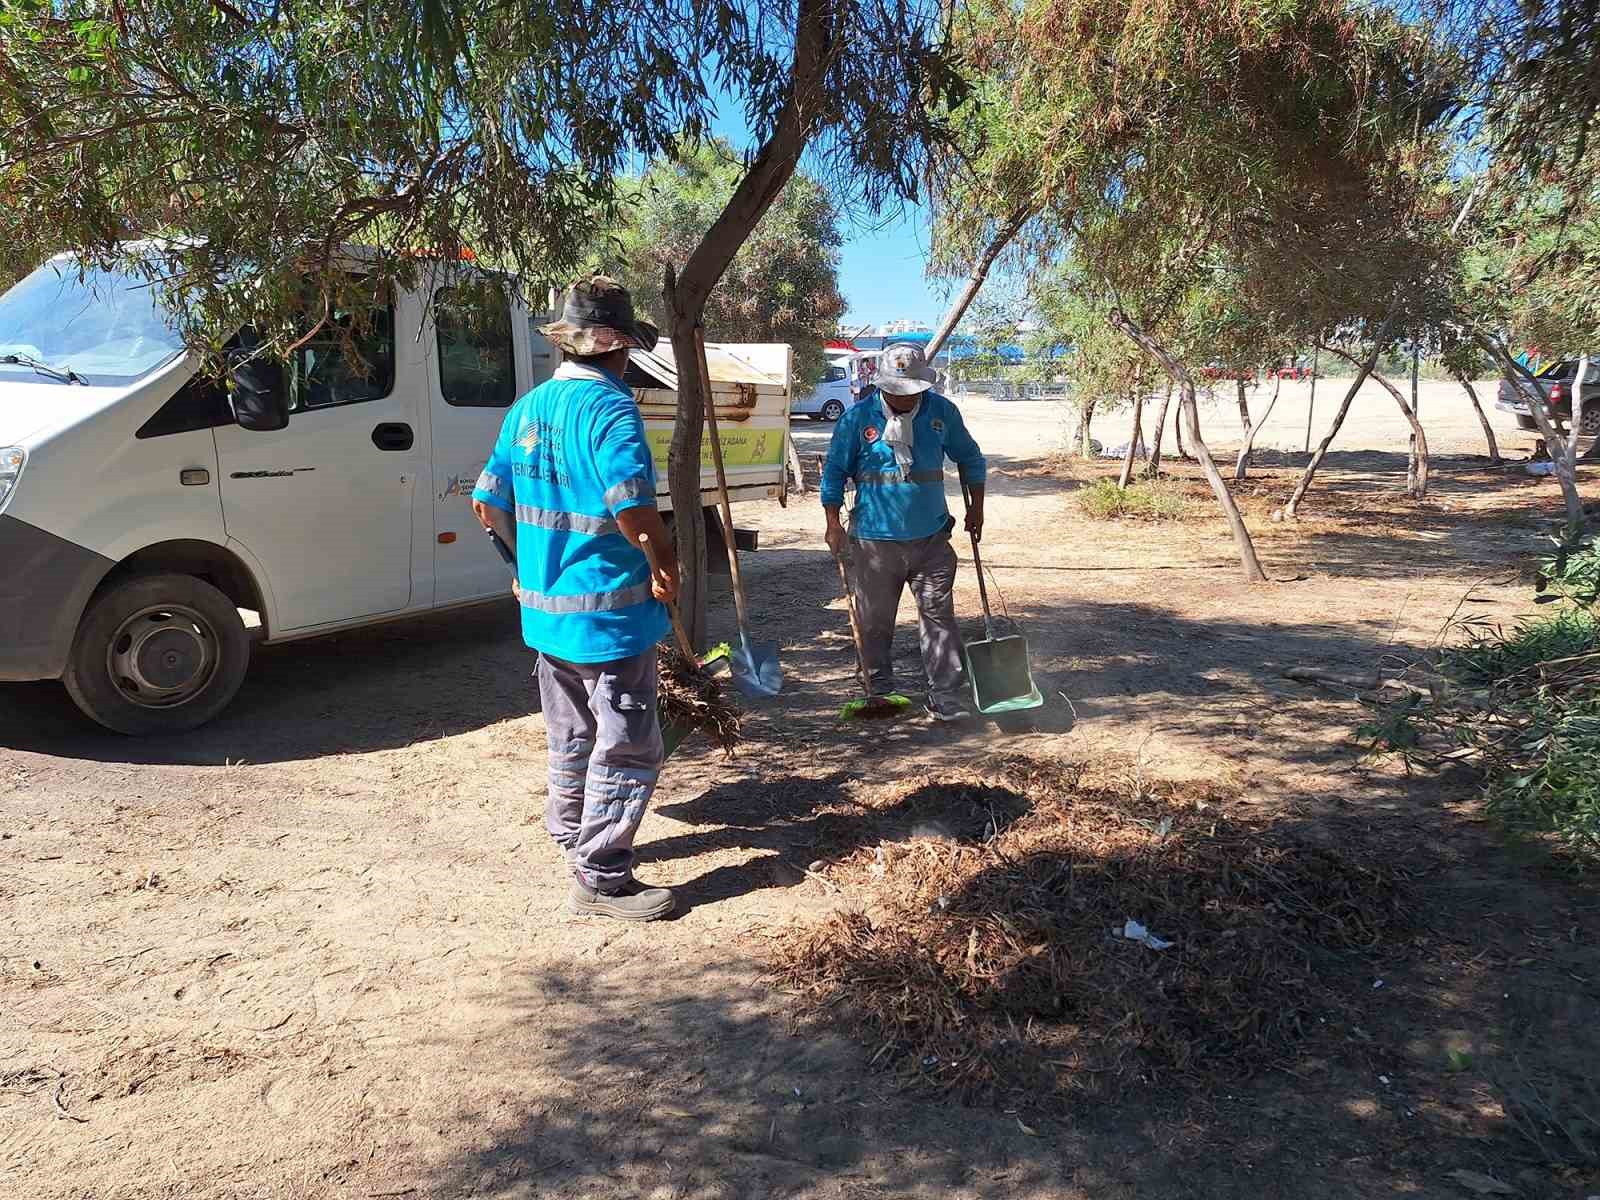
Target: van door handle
<point>393,435</point>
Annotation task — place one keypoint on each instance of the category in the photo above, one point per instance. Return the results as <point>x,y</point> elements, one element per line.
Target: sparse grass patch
<point>1103,500</point>
<point>1524,704</point>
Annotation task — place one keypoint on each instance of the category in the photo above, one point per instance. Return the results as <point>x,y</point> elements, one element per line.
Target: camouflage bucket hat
<point>597,318</point>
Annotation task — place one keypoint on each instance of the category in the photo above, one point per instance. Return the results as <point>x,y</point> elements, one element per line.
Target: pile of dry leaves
<point>690,698</point>
<point>998,950</point>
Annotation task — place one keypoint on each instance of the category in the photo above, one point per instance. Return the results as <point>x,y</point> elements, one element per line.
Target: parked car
<point>1298,369</point>
<point>1555,382</point>
<point>1213,372</point>
<point>829,399</point>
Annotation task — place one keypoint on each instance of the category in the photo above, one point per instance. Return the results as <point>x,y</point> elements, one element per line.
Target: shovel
<point>755,667</point>
<point>997,668</point>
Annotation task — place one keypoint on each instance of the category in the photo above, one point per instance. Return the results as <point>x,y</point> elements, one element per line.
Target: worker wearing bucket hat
<point>571,486</point>
<point>893,447</point>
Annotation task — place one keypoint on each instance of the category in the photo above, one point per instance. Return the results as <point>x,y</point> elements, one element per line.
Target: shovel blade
<point>756,672</point>
<point>997,669</point>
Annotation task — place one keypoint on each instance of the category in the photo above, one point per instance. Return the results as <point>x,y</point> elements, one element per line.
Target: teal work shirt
<point>571,455</point>
<point>894,505</point>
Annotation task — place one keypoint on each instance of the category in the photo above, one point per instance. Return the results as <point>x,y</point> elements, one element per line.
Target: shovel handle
<point>704,372</point>
<point>503,550</point>
<point>855,626</point>
<point>672,609</point>
<point>977,561</point>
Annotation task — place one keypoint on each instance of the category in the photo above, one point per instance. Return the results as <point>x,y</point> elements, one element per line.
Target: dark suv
<point>1555,381</point>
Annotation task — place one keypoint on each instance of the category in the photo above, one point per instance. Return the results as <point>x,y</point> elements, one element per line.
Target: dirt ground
<point>315,950</point>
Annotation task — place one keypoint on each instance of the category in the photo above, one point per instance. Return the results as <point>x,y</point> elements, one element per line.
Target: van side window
<point>834,375</point>
<point>476,366</point>
<point>350,360</point>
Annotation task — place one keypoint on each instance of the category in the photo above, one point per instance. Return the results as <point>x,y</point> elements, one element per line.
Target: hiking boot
<point>633,901</point>
<point>948,714</point>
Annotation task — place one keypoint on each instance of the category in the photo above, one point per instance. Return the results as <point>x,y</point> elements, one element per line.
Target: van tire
<point>177,629</point>
<point>832,410</point>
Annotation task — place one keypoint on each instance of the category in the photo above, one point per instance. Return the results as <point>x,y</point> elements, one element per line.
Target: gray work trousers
<point>605,755</point>
<point>881,570</point>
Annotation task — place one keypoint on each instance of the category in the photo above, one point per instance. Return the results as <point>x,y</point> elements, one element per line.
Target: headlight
<point>11,460</point>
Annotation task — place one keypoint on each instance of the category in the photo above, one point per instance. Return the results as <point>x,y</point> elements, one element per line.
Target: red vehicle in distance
<point>1213,372</point>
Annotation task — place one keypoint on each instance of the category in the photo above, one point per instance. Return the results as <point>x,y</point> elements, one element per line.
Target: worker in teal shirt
<point>893,446</point>
<point>571,487</point>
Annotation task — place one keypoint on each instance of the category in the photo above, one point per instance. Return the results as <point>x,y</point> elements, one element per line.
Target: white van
<point>829,399</point>
<point>149,532</point>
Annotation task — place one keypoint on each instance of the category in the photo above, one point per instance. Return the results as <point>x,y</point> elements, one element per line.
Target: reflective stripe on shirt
<point>629,489</point>
<point>881,478</point>
<point>565,522</point>
<point>494,485</point>
<point>586,602</point>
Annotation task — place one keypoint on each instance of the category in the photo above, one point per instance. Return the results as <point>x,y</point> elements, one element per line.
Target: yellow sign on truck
<point>752,385</point>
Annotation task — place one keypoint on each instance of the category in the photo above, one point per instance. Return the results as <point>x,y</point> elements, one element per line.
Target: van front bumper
<point>45,582</point>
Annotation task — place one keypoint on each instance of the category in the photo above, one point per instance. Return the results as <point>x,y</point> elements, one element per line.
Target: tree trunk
<point>1134,440</point>
<point>1153,469</point>
<point>1488,429</point>
<point>1415,469</point>
<point>1177,431</point>
<point>1244,408</point>
<point>1243,465</point>
<point>687,291</point>
<point>980,272</point>
<point>683,471</point>
<point>1363,369</point>
<point>1179,375</point>
<point>1085,415</point>
<point>1566,465</point>
<point>1417,465</point>
<point>1575,431</point>
<point>1311,408</point>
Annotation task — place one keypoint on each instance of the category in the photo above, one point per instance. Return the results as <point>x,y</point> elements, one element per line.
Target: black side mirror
<point>256,388</point>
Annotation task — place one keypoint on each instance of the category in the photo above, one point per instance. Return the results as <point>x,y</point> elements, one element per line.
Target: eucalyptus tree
<point>1158,142</point>
<point>251,140</point>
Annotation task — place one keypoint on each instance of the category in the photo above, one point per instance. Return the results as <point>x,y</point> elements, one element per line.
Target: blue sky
<point>881,271</point>
<point>882,267</point>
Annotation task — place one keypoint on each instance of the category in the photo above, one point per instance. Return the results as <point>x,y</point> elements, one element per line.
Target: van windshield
<point>106,327</point>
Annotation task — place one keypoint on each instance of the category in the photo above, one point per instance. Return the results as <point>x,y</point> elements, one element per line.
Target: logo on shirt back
<point>529,438</point>
<point>870,434</point>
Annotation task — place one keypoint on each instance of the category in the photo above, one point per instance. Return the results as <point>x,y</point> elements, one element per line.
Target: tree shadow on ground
<point>645,1076</point>
<point>385,686</point>
<point>798,821</point>
<point>1115,658</point>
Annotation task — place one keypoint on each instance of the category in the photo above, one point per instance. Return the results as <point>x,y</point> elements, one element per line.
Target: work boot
<point>948,712</point>
<point>633,901</point>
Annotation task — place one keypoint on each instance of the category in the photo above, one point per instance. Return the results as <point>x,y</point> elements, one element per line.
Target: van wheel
<point>1591,419</point>
<point>832,410</point>
<point>157,654</point>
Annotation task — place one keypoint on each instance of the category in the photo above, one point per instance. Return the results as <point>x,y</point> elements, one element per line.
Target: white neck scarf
<point>897,432</point>
<point>574,370</point>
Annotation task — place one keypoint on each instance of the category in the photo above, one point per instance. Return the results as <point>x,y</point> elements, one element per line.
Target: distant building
<point>895,328</point>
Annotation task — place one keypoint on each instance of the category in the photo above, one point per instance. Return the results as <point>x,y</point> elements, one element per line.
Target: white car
<point>829,399</point>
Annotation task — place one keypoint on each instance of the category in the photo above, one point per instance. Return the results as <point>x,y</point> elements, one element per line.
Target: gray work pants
<point>605,755</point>
<point>881,570</point>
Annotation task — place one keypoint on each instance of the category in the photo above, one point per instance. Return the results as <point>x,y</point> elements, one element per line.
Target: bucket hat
<point>903,370</point>
<point>597,318</point>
